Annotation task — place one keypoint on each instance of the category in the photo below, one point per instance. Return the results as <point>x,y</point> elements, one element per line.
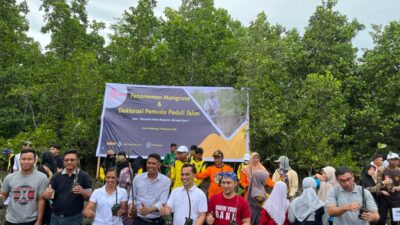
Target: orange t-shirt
<point>212,172</point>
<point>244,182</point>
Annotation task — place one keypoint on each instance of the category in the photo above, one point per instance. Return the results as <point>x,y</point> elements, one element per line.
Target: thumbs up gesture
<point>48,192</point>
<point>144,210</point>
<point>164,210</point>
<point>210,218</point>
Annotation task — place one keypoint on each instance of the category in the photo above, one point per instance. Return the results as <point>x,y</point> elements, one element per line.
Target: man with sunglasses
<point>349,203</point>
<point>228,207</point>
<point>70,189</point>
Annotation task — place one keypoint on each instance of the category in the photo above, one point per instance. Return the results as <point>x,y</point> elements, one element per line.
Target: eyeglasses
<point>69,160</point>
<point>346,180</point>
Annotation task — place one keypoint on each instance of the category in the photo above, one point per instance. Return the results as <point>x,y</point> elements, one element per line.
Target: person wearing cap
<point>246,159</point>
<point>213,171</point>
<point>388,187</point>
<point>176,169</point>
<point>17,165</point>
<point>8,154</point>
<point>285,173</point>
<point>228,206</point>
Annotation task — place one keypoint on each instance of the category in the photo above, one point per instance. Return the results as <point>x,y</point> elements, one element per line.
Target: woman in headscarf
<point>247,172</point>
<point>328,181</point>
<point>274,211</point>
<point>257,195</point>
<point>307,209</point>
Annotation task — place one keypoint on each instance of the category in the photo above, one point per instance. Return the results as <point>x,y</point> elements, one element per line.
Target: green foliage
<point>327,41</point>
<point>309,98</point>
<point>19,58</point>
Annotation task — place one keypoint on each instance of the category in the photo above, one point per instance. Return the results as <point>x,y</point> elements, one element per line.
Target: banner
<point>141,120</point>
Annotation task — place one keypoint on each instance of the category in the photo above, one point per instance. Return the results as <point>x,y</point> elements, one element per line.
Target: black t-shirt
<point>59,161</point>
<point>65,202</point>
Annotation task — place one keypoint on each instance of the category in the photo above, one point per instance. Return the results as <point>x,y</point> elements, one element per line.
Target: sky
<point>289,13</point>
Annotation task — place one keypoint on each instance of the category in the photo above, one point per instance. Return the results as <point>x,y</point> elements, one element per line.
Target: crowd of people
<point>172,191</point>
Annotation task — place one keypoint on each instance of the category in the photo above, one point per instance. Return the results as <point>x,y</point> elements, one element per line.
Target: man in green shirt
<point>169,160</point>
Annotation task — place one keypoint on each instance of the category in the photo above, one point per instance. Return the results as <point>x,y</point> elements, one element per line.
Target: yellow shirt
<point>9,162</point>
<point>200,167</point>
<point>176,170</point>
<point>293,185</point>
<point>241,166</point>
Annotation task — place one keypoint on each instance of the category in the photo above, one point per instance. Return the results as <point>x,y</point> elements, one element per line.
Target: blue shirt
<point>150,192</point>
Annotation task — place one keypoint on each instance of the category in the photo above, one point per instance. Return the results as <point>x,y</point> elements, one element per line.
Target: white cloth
<point>16,166</point>
<point>277,203</point>
<point>306,204</point>
<point>179,202</point>
<point>104,202</point>
<point>211,106</point>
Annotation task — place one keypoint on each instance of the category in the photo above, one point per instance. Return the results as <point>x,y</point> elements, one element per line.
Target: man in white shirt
<point>188,202</point>
<point>150,192</point>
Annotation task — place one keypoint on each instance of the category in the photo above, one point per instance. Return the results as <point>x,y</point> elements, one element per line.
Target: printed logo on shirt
<point>23,194</point>
<point>218,177</point>
<point>224,212</point>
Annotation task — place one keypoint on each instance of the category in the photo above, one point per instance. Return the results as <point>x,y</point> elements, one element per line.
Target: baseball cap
<point>246,157</point>
<point>26,143</point>
<point>7,151</point>
<point>282,158</point>
<point>218,153</point>
<point>392,155</point>
<point>182,149</point>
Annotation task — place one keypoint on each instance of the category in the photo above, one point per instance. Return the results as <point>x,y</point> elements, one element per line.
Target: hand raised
<point>210,218</point>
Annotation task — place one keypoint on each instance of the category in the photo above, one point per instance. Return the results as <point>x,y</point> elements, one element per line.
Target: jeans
<point>69,220</point>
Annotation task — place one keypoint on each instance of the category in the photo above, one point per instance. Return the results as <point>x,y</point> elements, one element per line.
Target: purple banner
<point>141,120</point>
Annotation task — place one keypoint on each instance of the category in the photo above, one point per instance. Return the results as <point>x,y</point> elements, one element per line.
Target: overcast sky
<point>289,13</point>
